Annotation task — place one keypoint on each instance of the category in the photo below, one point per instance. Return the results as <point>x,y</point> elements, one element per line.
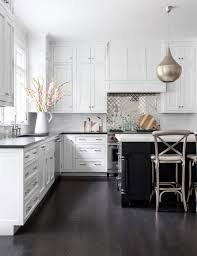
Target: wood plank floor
<point>84,218</point>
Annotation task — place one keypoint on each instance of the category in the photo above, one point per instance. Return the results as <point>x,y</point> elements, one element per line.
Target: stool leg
<point>183,187</point>
<point>153,180</point>
<point>157,187</point>
<point>196,198</point>
<point>177,180</point>
<point>190,180</point>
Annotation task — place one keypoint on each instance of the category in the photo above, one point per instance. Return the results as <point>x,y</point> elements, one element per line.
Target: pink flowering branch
<point>44,99</point>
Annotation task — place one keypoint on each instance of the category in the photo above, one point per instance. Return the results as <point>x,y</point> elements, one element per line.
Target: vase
<point>42,122</point>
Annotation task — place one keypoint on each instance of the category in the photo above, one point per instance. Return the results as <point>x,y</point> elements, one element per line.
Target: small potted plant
<point>44,100</point>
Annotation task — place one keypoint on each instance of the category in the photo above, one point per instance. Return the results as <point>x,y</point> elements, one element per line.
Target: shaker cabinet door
<point>62,54</point>
<point>181,94</point>
<point>6,66</point>
<point>188,86</point>
<point>83,88</point>
<point>64,74</point>
<point>68,155</point>
<point>98,88</point>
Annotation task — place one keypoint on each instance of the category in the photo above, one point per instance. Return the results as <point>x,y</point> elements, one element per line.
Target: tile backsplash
<point>123,110</point>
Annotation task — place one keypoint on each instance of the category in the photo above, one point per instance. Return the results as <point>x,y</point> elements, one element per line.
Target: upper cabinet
<point>62,59</point>
<point>7,61</point>
<point>91,86</point>
<point>181,95</point>
<point>83,68</point>
<point>133,68</point>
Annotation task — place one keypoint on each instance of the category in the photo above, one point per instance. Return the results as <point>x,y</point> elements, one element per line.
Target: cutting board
<point>147,122</point>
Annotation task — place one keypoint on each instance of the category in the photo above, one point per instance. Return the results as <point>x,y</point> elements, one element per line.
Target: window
<point>20,73</point>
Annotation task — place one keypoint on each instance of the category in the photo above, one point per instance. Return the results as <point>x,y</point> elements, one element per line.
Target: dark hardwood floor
<point>84,218</point>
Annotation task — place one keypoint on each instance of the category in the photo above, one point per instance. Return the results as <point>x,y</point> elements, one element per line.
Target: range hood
<point>136,87</point>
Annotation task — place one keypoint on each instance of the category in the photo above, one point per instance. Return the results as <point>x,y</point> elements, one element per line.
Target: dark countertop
<point>93,133</point>
<point>21,142</point>
<point>30,139</point>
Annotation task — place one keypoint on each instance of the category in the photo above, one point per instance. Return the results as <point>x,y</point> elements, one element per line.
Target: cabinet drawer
<point>89,165</point>
<point>31,204</point>
<point>30,169</point>
<point>90,151</point>
<point>90,139</point>
<point>31,186</point>
<point>30,155</point>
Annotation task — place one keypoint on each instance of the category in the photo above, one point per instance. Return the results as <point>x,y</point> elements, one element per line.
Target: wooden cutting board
<point>147,122</point>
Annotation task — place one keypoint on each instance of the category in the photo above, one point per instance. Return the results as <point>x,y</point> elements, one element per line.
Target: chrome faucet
<point>15,129</point>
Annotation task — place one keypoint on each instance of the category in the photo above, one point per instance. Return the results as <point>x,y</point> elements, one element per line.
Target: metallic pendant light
<point>168,70</point>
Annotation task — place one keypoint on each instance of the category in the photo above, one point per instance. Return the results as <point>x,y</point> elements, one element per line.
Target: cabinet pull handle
<point>7,94</point>
<point>97,164</point>
<point>27,156</point>
<point>83,164</point>
<point>43,147</point>
<point>83,150</point>
<point>99,139</point>
<point>97,150</point>
<point>35,168</point>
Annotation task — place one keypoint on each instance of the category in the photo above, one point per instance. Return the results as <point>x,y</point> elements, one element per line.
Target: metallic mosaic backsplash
<point>123,110</point>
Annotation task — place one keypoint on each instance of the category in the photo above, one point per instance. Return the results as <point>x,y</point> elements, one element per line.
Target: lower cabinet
<point>84,153</point>
<point>23,189</point>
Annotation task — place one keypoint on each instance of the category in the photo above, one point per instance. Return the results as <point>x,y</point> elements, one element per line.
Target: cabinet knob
<point>7,94</point>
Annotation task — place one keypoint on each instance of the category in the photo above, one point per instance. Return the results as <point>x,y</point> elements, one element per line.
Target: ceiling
<point>108,19</point>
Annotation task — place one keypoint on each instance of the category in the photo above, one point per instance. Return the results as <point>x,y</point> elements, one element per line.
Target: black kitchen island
<point>136,167</point>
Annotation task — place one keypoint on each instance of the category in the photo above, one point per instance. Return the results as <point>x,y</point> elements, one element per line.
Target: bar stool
<point>174,156</point>
<point>192,185</point>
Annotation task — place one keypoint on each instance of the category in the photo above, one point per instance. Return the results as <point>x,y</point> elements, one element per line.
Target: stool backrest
<point>163,137</point>
<point>195,134</point>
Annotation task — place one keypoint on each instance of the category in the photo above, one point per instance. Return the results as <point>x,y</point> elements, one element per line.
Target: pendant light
<point>168,70</point>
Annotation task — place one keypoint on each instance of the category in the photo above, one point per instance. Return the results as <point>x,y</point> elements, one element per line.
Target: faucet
<point>15,129</point>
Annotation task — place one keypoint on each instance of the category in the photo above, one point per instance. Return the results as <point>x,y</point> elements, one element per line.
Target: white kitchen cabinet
<point>7,63</point>
<point>63,54</point>
<point>181,95</point>
<point>91,87</point>
<point>63,73</point>
<point>22,190</point>
<point>84,87</point>
<point>84,154</point>
<point>63,57</point>
<point>68,153</point>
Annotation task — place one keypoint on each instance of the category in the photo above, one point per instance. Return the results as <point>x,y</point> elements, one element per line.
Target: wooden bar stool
<point>174,156</point>
<point>192,184</point>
